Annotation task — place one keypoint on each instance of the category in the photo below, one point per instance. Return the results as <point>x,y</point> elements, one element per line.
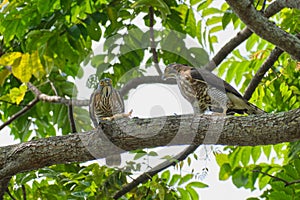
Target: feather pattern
<point>206,91</point>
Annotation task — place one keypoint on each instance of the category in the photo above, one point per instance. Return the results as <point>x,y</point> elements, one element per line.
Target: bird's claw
<point>118,116</point>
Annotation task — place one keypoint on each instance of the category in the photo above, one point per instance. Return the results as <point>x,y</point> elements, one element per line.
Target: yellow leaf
<point>9,59</point>
<point>36,65</point>
<point>3,75</point>
<point>23,70</point>
<point>3,3</point>
<point>16,95</point>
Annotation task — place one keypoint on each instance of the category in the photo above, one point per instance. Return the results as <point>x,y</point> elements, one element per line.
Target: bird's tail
<point>252,109</point>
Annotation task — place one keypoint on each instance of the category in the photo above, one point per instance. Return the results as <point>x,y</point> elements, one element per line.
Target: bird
<point>106,103</point>
<point>207,92</point>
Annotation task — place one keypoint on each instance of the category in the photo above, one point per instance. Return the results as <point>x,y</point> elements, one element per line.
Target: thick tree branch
<point>148,175</point>
<point>131,134</point>
<point>265,28</point>
<point>20,113</point>
<point>262,71</point>
<point>241,36</point>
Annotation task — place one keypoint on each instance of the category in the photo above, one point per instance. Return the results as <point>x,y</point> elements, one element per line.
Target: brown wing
<point>241,105</point>
<point>118,103</point>
<point>213,80</point>
<point>91,110</point>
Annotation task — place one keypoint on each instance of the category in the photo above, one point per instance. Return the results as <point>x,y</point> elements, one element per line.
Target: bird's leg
<point>118,116</point>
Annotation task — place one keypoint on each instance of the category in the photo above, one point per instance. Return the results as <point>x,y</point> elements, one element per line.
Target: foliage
<point>49,43</point>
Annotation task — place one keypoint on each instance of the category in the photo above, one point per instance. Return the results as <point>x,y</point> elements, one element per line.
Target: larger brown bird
<point>105,104</point>
<point>206,91</point>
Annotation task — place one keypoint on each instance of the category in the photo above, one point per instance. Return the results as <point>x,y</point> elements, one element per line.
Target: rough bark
<point>265,28</point>
<point>130,134</point>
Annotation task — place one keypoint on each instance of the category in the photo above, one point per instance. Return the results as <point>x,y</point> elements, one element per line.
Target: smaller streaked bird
<point>106,103</point>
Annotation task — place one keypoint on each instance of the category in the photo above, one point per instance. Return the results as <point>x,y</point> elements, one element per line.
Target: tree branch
<point>152,41</point>
<point>265,28</point>
<point>286,183</point>
<point>20,113</point>
<point>126,134</point>
<point>134,83</point>
<point>148,175</point>
<point>56,99</point>
<point>262,71</point>
<point>241,36</point>
<point>274,177</point>
<point>10,195</point>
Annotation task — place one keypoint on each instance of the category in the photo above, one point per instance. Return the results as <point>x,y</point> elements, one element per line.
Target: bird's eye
<point>101,83</point>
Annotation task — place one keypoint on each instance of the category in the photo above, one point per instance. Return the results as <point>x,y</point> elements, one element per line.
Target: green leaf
<point>256,152</point>
<point>210,11</point>
<point>190,22</point>
<point>226,19</point>
<point>43,6</point>
<point>267,150</point>
<point>140,154</point>
<point>175,178</point>
<point>193,194</point>
<point>225,172</point>
<point>279,195</point>
<point>297,166</point>
<point>263,182</point>
<point>246,151</point>
<point>159,4</point>
<point>239,178</point>
<point>197,184</point>
<point>184,194</point>
<point>221,158</point>
<point>185,179</point>
<point>93,29</point>
<point>166,175</point>
<point>152,153</point>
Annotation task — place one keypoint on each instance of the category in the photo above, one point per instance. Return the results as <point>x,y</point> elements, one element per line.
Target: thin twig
<point>134,83</point>
<point>71,119</point>
<point>262,71</point>
<point>10,195</point>
<point>148,175</point>
<point>24,192</point>
<point>56,99</point>
<point>152,40</point>
<point>20,113</point>
<point>286,183</point>
<point>274,177</point>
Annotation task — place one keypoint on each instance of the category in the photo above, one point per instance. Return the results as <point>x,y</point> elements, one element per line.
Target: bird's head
<point>105,87</point>
<point>173,70</point>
